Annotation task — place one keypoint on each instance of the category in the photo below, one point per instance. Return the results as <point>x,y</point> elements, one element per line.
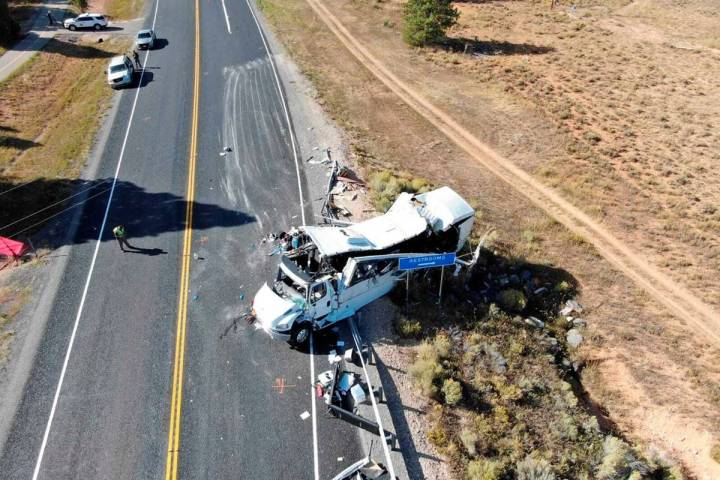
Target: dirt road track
<point>666,291</point>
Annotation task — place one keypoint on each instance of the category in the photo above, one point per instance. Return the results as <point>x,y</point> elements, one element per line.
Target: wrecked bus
<point>334,271</point>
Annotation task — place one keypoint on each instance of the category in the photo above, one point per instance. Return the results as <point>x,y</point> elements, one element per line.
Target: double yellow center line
<point>171,465</point>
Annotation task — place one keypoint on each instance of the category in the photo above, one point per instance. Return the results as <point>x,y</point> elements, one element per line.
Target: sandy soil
<point>668,362</point>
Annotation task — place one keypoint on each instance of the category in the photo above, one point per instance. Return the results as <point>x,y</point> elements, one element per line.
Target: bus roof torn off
<point>328,272</point>
<point>409,217</point>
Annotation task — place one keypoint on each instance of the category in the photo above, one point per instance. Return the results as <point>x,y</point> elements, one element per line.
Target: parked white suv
<point>86,20</point>
<point>120,71</point>
<point>145,40</point>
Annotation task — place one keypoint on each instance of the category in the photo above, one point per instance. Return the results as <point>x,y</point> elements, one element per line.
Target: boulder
<point>579,322</point>
<point>574,338</point>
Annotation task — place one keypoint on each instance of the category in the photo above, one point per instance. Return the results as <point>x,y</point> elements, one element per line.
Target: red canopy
<point>11,248</point>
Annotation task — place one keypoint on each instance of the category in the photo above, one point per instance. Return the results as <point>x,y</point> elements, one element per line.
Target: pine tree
<point>426,21</point>
<point>9,29</point>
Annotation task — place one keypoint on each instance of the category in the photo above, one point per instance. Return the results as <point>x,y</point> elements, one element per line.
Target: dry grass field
<point>45,132</point>
<point>613,104</point>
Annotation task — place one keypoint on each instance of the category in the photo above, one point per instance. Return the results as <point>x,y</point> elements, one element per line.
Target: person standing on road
<point>121,236</point>
<point>51,19</point>
<point>136,58</point>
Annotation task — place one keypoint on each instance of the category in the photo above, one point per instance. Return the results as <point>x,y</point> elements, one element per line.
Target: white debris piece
<point>535,322</point>
<point>325,378</point>
<point>305,415</point>
<point>574,305</point>
<point>358,394</point>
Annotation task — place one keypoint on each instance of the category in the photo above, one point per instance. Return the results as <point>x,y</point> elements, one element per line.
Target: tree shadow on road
<point>45,209</point>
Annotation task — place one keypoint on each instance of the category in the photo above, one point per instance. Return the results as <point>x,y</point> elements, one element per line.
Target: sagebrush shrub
<point>532,468</point>
<point>443,345</point>
<point>452,391</point>
<point>469,439</point>
<point>408,328</point>
<point>483,469</point>
<point>618,461</point>
<point>512,300</point>
<point>427,373</point>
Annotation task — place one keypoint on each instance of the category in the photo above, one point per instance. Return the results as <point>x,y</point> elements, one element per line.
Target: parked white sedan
<point>86,20</point>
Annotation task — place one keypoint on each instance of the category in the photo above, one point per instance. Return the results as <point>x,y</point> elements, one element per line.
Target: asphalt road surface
<point>242,393</point>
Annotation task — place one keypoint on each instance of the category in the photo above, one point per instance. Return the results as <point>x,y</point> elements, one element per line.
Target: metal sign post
<point>442,277</point>
<point>407,290</point>
<point>416,262</point>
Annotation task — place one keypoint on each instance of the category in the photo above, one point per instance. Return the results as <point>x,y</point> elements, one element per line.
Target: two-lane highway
<point>245,393</point>
<point>152,387</point>
<point>109,418</point>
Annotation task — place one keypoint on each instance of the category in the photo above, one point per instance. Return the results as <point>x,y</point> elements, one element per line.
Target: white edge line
<point>38,463</point>
<point>285,108</point>
<point>356,335</point>
<point>227,19</point>
<point>316,463</point>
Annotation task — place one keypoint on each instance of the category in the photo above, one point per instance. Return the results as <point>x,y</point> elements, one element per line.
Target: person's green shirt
<point>119,231</point>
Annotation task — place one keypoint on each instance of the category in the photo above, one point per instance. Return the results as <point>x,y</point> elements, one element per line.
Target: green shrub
<point>408,328</point>
<point>427,371</point>
<point>9,28</point>
<point>528,236</point>
<point>483,469</point>
<point>426,21</point>
<point>565,427</point>
<point>534,469</point>
<point>563,287</point>
<point>436,435</point>
<point>508,392</point>
<point>452,391</point>
<point>469,439</point>
<point>419,185</point>
<point>715,452</point>
<point>618,461</point>
<point>443,346</point>
<point>512,300</point>
<point>385,188</point>
<point>474,339</point>
<point>427,351</point>
<point>81,4</point>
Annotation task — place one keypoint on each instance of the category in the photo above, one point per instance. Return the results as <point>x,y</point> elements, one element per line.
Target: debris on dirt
<point>570,307</point>
<point>498,363</point>
<point>574,338</point>
<point>535,322</point>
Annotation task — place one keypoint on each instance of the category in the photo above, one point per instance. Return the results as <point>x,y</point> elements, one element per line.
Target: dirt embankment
<point>616,124</point>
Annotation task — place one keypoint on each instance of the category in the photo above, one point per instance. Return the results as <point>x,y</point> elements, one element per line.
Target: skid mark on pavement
<point>253,127</point>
